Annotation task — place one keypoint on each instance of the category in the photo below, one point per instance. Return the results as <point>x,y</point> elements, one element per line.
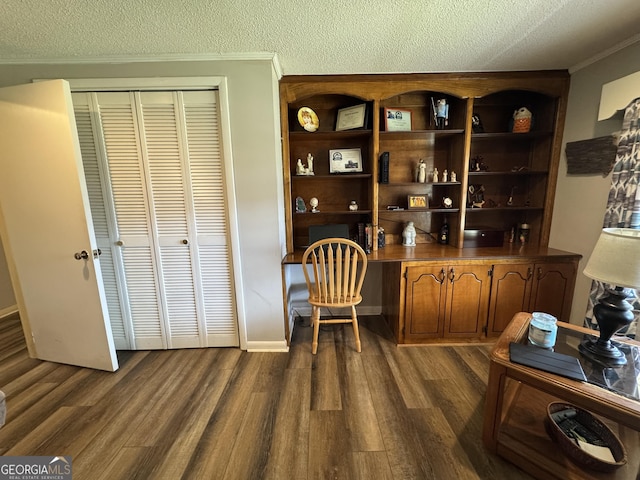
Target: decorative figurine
<point>302,170</point>
<point>445,175</point>
<point>409,235</point>
<point>422,172</point>
<point>353,206</point>
<point>314,205</point>
<point>453,176</point>
<point>381,238</point>
<point>476,196</point>
<point>309,164</point>
<point>441,113</point>
<point>521,120</point>
<point>435,175</point>
<point>476,124</point>
<point>300,205</point>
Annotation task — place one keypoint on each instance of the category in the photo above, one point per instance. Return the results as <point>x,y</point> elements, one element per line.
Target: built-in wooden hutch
<point>470,287</point>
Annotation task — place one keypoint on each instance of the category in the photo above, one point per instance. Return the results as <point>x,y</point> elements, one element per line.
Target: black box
<point>483,237</point>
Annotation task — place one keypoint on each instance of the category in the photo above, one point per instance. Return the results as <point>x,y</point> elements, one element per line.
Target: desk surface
<point>435,252</point>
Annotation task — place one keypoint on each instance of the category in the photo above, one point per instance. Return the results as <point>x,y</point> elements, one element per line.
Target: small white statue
<point>309,164</point>
<point>314,205</point>
<point>435,175</point>
<point>445,175</point>
<point>453,176</point>
<point>302,170</point>
<point>409,235</point>
<point>422,172</point>
<point>353,206</point>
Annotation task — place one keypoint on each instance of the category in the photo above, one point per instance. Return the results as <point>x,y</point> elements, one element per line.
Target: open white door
<point>44,222</point>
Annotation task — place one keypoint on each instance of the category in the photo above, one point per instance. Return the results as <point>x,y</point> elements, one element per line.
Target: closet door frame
<point>193,83</point>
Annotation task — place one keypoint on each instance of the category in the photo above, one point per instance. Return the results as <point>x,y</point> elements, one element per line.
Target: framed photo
<point>397,120</point>
<point>351,117</point>
<point>415,202</point>
<point>345,160</point>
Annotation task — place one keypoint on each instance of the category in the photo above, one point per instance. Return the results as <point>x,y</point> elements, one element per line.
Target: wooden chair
<point>338,267</point>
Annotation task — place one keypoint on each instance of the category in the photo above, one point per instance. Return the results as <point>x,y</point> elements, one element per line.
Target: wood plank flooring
<point>387,413</point>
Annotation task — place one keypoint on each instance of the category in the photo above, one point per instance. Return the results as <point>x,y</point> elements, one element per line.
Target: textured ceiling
<point>326,36</point>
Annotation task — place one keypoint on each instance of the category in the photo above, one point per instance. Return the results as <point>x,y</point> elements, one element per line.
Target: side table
<point>517,398</point>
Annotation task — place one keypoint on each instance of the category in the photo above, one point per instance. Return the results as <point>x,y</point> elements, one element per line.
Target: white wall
<point>255,131</point>
<point>581,199</point>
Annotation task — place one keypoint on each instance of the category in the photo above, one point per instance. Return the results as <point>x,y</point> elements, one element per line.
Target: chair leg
<point>356,331</point>
<point>315,319</point>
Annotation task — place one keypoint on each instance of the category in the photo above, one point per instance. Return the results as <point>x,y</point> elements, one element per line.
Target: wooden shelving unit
<point>518,173</point>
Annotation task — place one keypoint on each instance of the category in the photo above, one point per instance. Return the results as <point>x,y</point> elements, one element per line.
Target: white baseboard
<point>279,346</point>
<point>5,312</point>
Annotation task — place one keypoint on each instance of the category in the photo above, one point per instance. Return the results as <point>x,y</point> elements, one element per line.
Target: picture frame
<point>345,160</point>
<point>350,118</point>
<point>417,202</point>
<point>397,120</point>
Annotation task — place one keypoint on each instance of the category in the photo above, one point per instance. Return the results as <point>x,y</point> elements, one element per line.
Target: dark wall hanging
<point>596,155</point>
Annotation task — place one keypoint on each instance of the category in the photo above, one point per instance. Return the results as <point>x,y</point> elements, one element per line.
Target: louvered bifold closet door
<point>87,124</point>
<point>156,177</point>
<point>186,180</point>
<point>210,210</point>
<point>131,232</point>
<point>165,158</point>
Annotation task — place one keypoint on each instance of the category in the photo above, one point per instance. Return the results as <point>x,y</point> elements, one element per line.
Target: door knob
<point>185,241</point>
<point>81,255</point>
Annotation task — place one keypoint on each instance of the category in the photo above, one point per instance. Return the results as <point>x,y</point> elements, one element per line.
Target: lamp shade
<point>616,258</point>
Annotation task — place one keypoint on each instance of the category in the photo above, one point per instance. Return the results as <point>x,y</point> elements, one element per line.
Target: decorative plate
<point>308,119</point>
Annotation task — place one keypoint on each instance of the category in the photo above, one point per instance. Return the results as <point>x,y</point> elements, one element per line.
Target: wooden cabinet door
<point>425,302</point>
<point>552,289</point>
<point>468,288</point>
<point>510,294</point>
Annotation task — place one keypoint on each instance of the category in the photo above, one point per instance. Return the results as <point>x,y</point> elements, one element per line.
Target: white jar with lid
<point>543,330</point>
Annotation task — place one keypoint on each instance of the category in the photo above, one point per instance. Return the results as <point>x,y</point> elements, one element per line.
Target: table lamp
<point>615,260</point>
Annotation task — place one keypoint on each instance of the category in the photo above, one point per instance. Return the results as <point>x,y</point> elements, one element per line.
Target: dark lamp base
<point>606,354</point>
<point>612,313</point>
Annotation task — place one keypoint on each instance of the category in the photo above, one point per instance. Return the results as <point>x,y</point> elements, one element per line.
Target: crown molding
<point>173,57</point>
<point>605,54</point>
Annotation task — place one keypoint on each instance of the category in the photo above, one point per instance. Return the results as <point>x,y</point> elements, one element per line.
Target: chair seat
<point>337,303</point>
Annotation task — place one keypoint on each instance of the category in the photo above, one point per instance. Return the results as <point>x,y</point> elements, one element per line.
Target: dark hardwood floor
<point>220,413</point>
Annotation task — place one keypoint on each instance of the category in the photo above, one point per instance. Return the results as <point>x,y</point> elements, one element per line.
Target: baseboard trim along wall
<point>279,346</point>
<point>5,312</point>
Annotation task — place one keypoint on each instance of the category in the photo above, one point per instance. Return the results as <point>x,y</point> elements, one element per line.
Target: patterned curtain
<point>623,205</point>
